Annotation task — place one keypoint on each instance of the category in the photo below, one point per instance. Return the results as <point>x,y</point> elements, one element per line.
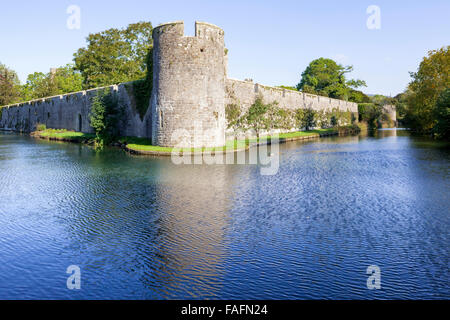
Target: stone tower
<point>188,97</point>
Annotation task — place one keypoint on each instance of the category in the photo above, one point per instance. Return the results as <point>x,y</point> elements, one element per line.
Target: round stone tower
<point>188,98</point>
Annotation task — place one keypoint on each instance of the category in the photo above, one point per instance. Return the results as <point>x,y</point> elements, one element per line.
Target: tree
<point>37,86</point>
<point>66,79</point>
<point>256,116</point>
<point>9,86</point>
<point>115,55</point>
<point>441,113</point>
<point>370,113</point>
<point>62,80</point>
<point>358,96</point>
<point>431,79</point>
<point>309,119</point>
<point>233,115</point>
<point>327,78</point>
<point>105,116</point>
<point>305,118</point>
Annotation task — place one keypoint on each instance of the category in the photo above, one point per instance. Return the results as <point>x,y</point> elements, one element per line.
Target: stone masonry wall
<point>71,112</point>
<point>244,93</point>
<point>190,93</point>
<point>188,86</point>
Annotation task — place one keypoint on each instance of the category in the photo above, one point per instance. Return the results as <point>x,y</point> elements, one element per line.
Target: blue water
<point>144,228</point>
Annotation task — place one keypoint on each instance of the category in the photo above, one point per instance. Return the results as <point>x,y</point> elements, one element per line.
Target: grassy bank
<point>64,135</point>
<point>143,145</point>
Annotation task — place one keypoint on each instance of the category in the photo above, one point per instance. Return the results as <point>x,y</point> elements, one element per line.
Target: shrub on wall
<point>256,116</point>
<point>105,116</point>
<point>233,115</point>
<point>309,119</point>
<point>370,113</point>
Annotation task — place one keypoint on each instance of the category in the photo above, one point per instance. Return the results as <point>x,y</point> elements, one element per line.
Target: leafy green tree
<point>358,96</point>
<point>305,118</point>
<point>381,100</point>
<point>115,55</point>
<point>299,115</point>
<point>327,78</point>
<point>105,116</point>
<point>309,119</point>
<point>233,115</point>
<point>256,116</point>
<point>431,79</point>
<point>442,115</point>
<point>9,86</point>
<point>66,79</point>
<point>62,80</point>
<point>370,113</point>
<point>38,85</point>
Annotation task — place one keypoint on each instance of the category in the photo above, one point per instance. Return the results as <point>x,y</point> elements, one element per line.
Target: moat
<point>144,228</point>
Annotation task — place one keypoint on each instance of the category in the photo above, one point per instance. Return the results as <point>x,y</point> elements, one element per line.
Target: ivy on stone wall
<point>261,116</point>
<point>142,89</point>
<point>105,116</point>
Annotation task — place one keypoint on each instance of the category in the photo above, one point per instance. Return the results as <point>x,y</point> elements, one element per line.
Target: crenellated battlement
<point>203,30</point>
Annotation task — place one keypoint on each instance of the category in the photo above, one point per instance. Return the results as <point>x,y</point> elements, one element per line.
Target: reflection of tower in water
<point>194,201</point>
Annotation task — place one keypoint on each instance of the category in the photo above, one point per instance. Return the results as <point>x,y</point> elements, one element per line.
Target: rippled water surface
<point>144,228</point>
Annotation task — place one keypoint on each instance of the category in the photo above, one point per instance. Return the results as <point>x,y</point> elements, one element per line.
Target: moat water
<point>144,228</point>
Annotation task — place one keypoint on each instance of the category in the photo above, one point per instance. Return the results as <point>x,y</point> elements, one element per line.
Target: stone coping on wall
<point>309,95</point>
<point>115,87</point>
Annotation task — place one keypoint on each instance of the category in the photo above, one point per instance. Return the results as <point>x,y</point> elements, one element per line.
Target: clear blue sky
<point>271,42</point>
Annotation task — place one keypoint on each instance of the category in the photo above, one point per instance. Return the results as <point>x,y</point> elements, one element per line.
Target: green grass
<point>309,133</point>
<point>145,145</point>
<point>64,135</point>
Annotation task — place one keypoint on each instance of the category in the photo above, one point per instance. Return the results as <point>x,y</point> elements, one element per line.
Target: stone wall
<point>71,112</point>
<point>187,105</point>
<point>244,94</point>
<point>188,86</point>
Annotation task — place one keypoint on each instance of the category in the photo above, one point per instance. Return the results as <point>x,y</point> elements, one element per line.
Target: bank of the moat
<point>143,146</point>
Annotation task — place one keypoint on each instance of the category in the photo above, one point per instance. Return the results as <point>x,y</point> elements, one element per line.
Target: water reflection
<point>144,228</point>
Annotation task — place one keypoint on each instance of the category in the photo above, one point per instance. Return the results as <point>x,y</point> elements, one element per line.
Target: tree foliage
<point>9,86</point>
<point>115,55</point>
<point>233,115</point>
<point>142,89</point>
<point>431,79</point>
<point>327,78</point>
<point>370,113</point>
<point>309,119</point>
<point>256,117</point>
<point>62,80</point>
<point>441,113</point>
<point>105,116</point>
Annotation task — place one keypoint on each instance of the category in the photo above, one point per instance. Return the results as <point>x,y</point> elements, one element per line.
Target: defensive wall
<point>190,93</point>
